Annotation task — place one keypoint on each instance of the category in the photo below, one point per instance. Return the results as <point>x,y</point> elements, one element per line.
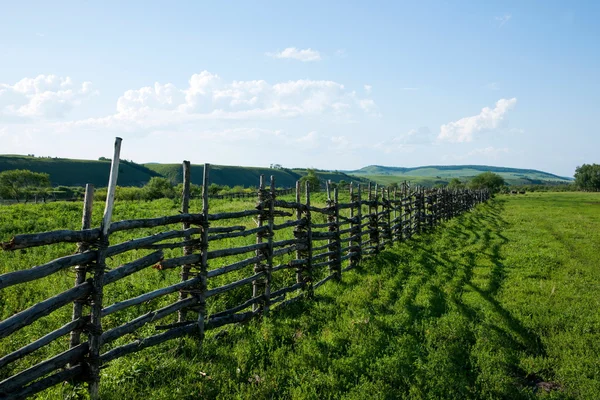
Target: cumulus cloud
<point>304,55</point>
<point>464,129</point>
<point>207,96</point>
<point>42,97</point>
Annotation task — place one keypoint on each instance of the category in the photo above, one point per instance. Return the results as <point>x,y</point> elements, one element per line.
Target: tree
<point>314,183</point>
<point>158,188</point>
<point>587,177</point>
<point>455,183</point>
<point>487,180</point>
<point>19,183</point>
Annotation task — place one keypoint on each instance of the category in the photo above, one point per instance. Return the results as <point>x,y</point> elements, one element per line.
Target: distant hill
<point>69,172</point>
<point>430,175</point>
<point>244,176</point>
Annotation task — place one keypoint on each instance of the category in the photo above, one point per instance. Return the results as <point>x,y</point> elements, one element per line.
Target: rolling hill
<point>440,174</point>
<point>244,176</point>
<point>70,172</point>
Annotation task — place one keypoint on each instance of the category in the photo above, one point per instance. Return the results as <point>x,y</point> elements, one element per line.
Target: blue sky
<point>333,85</point>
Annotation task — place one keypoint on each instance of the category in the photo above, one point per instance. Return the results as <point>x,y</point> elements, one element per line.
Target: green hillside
<point>69,172</point>
<point>244,176</point>
<point>431,175</point>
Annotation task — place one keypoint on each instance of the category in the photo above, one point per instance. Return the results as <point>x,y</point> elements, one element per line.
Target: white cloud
<point>368,89</point>
<point>503,19</point>
<point>208,97</point>
<point>45,96</point>
<point>304,55</point>
<point>488,119</point>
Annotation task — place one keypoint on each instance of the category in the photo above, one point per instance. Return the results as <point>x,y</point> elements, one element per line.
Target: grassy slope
<point>245,176</point>
<point>69,172</point>
<point>500,304</point>
<point>431,175</point>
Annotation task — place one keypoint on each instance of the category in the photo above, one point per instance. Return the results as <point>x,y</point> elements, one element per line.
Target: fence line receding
<point>221,268</point>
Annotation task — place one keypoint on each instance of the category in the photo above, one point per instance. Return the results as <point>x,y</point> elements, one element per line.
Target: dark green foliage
<point>456,183</point>
<point>587,177</point>
<point>314,183</point>
<point>159,188</point>
<point>19,184</point>
<point>487,180</point>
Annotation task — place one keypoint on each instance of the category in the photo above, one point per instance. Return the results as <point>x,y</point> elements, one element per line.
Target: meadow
<point>500,302</point>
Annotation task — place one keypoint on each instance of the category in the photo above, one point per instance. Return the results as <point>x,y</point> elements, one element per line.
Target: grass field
<point>500,303</point>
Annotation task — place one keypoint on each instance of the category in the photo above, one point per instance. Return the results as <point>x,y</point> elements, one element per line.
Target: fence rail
<point>297,248</point>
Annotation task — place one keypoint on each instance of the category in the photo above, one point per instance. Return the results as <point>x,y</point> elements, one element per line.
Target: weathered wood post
<point>269,249</point>
<point>376,235</point>
<point>359,242</point>
<point>258,267</point>
<point>388,215</point>
<point>204,255</point>
<point>95,336</point>
<point>80,270</point>
<point>309,251</point>
<point>337,268</point>
<point>331,221</point>
<point>187,249</point>
<point>299,230</point>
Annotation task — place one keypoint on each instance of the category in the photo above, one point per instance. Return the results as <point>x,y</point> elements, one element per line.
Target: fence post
<point>309,251</point>
<point>298,231</point>
<point>269,250</point>
<point>187,249</point>
<point>95,337</point>
<point>80,270</point>
<point>388,215</point>
<point>204,255</point>
<point>359,243</point>
<point>258,267</point>
<point>331,220</point>
<point>337,240</point>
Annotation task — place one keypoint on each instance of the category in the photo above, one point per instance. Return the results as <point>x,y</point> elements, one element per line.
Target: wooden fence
<point>295,248</point>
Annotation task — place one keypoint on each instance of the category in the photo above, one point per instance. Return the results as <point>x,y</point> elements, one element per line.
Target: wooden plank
<point>41,309</point>
<point>154,340</point>
<point>41,342</point>
<point>132,267</point>
<point>233,285</point>
<point>45,238</point>
<point>40,271</point>
<point>70,374</point>
<point>17,381</point>
<point>234,266</point>
<point>142,320</point>
<point>149,296</point>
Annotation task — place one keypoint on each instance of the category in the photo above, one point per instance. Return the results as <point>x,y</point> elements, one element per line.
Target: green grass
<point>499,303</point>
